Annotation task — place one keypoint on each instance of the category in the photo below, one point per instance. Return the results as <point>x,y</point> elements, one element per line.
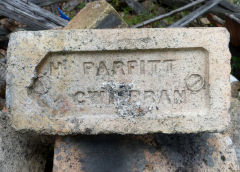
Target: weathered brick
<point>119,81</point>
<point>163,152</point>
<point>97,15</point>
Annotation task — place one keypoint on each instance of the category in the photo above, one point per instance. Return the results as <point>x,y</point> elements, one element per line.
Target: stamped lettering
<point>150,81</point>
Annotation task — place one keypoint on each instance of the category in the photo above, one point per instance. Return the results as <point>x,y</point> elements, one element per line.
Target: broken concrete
<point>97,15</point>
<point>154,80</point>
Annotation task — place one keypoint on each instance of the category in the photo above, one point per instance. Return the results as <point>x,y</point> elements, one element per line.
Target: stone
<point>20,152</point>
<point>204,21</point>
<point>155,152</point>
<point>127,81</point>
<point>97,15</point>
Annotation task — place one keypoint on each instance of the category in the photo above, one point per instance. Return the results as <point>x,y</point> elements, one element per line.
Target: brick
<point>119,81</point>
<point>148,153</point>
<point>97,15</point>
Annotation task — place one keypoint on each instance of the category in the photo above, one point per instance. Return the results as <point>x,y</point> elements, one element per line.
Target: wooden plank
<point>226,8</point>
<point>176,3</point>
<point>45,2</point>
<point>168,14</point>
<point>195,14</point>
<point>230,6</point>
<point>30,14</point>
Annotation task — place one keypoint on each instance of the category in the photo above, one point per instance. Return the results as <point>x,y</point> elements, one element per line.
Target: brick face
<point>128,81</point>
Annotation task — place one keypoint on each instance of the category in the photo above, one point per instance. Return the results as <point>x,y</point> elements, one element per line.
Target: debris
<point>53,9</point>
<point>70,5</point>
<point>204,21</point>
<point>30,14</point>
<point>217,21</point>
<point>136,6</point>
<point>230,6</point>
<point>192,16</point>
<point>168,14</point>
<point>149,5</point>
<point>226,7</point>
<point>45,2</point>
<point>233,17</point>
<point>176,3</point>
<point>98,15</point>
<point>10,25</point>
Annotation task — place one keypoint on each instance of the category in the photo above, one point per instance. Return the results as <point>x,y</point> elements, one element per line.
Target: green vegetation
<point>132,19</point>
<point>81,5</point>
<point>115,3</point>
<point>237,2</point>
